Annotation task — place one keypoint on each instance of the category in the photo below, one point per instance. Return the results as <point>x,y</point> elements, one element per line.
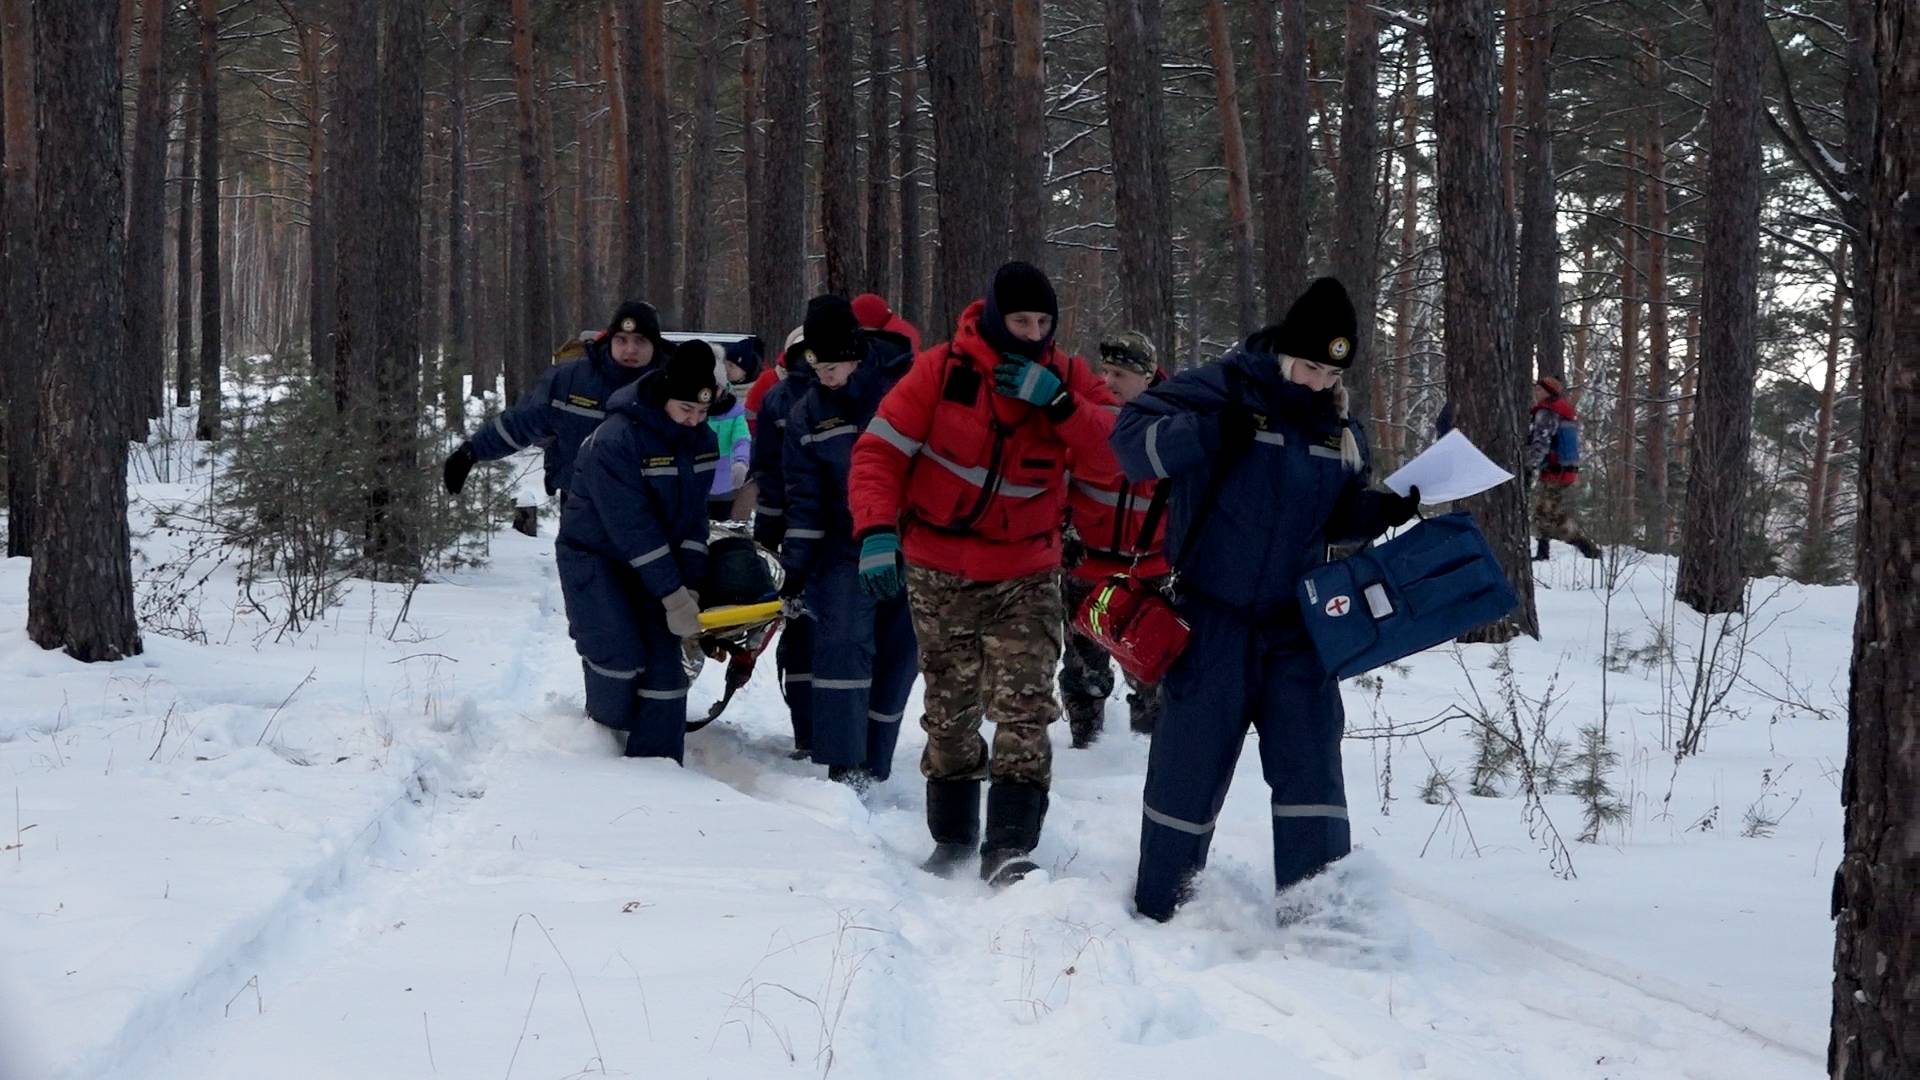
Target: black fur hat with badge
<point>1320,326</point>
<point>689,374</point>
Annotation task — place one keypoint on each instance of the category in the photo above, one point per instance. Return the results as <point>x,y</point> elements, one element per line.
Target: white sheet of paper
<point>1452,468</point>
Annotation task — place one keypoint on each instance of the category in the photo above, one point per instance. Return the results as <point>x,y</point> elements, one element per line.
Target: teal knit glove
<point>880,564</point>
<point>1029,382</point>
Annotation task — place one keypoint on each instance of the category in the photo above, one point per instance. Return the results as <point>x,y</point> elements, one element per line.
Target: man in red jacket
<point>1553,440</point>
<point>1109,519</point>
<point>964,467</point>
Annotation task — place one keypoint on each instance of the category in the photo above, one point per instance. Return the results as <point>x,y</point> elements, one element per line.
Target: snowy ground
<point>389,848</point>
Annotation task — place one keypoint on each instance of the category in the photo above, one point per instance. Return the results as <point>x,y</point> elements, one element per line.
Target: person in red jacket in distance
<point>961,476</point>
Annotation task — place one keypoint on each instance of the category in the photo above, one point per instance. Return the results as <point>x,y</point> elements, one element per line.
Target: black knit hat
<point>1320,326</point>
<point>689,374</point>
<point>1019,286</point>
<point>830,331</point>
<point>638,317</point>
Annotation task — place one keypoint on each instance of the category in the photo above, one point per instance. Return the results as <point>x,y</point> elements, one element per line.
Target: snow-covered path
<point>429,864</point>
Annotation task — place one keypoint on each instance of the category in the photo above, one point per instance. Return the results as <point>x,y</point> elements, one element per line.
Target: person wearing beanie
<point>568,402</point>
<point>874,314</point>
<point>1553,466</point>
<point>736,445</point>
<point>1266,470</point>
<point>1109,517</point>
<point>962,476</point>
<point>794,649</point>
<point>633,546</point>
<point>864,658</point>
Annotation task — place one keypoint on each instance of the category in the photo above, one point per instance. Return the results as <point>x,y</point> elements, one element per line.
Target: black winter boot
<point>953,817</point>
<point>1540,552</point>
<point>1084,725</point>
<point>526,520</point>
<point>1015,812</point>
<point>1587,547</point>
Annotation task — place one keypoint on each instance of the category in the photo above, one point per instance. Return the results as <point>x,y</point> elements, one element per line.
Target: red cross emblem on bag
<point>1338,606</point>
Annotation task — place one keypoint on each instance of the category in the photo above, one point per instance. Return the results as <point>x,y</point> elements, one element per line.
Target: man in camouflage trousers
<point>1002,667</point>
<point>1553,462</point>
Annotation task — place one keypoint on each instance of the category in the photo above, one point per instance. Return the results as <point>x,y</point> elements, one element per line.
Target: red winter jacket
<point>1109,514</point>
<point>974,480</point>
<point>1546,419</point>
<point>767,380</point>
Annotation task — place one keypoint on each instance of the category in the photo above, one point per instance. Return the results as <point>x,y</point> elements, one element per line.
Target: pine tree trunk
<point>636,279</point>
<point>1536,329</point>
<point>1484,381</point>
<point>1281,115</point>
<point>1621,481</point>
<point>1876,956</point>
<point>661,233</point>
<point>586,157</point>
<point>207,428</point>
<point>1027,199</point>
<point>146,232</point>
<point>693,294</point>
<point>1233,147</point>
<point>765,321</point>
<point>877,275</point>
<point>1712,576</point>
<point>354,151</point>
<point>783,217</point>
<point>965,162</point>
<point>183,284</point>
<point>1653,501</point>
<point>19,300</point>
<point>433,266</point>
<point>1816,545</point>
<point>1356,218</point>
<point>912,288</point>
<point>1581,372</point>
<point>839,135</point>
<point>320,239</point>
<point>398,281</point>
<point>996,76</point>
<point>1399,437</point>
<point>1141,191</point>
<point>458,361</point>
<point>80,589</point>
<point>537,345</point>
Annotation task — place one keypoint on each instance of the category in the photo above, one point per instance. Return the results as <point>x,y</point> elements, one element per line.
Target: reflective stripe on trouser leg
<point>945,622</point>
<point>842,663</point>
<point>1022,627</point>
<point>1300,724</point>
<point>660,722</point>
<point>794,651</point>
<point>896,662</point>
<point>605,633</point>
<point>1203,723</point>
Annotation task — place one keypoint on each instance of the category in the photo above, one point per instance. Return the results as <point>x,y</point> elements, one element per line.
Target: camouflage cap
<point>1129,350</point>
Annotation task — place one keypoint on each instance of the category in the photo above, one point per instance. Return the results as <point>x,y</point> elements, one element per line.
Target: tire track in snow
<point>329,893</point>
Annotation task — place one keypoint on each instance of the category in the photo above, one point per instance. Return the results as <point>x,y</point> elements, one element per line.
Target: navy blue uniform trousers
<point>1234,674</point>
<point>794,653</point>
<point>865,657</point>
<point>632,662</point>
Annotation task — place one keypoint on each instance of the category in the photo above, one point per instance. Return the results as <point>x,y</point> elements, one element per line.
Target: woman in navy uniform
<point>633,547</point>
<point>1260,448</point>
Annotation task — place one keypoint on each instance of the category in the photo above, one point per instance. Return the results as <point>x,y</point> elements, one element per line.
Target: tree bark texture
<point>1026,108</point>
<point>1621,483</point>
<point>1356,217</point>
<point>397,278</point>
<point>659,158</point>
<point>912,287</point>
<point>839,138</point>
<point>1233,153</point>
<point>458,362</point>
<point>783,217</point>
<point>766,322</point>
<point>700,161</point>
<point>1398,436</point>
<point>1484,383</point>
<point>1876,956</point>
<point>144,380</point>
<point>80,588</point>
<point>1536,325</point>
<point>208,426</point>
<point>1281,115</point>
<point>320,239</point>
<point>20,299</point>
<point>636,281</point>
<point>1711,577</point>
<point>536,346</point>
<point>355,164</point>
<point>183,259</point>
<point>1656,512</point>
<point>1818,481</point>
<point>877,272</point>
<point>964,176</point>
<point>1141,191</point>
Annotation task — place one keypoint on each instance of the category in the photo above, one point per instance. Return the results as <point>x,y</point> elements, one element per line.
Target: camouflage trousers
<point>1086,675</point>
<point>1551,521</point>
<point>988,650</point>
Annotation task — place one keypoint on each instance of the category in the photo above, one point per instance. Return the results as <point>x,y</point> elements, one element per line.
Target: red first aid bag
<point>1134,623</point>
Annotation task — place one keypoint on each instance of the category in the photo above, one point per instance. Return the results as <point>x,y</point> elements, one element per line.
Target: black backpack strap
<point>1156,509</point>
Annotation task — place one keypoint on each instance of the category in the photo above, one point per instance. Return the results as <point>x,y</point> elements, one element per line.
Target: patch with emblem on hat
<point>705,396</point>
<point>1339,347</point>
<point>629,326</point>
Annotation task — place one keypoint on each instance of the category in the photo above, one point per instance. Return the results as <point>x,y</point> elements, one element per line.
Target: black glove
<point>1236,429</point>
<point>769,530</point>
<point>455,471</point>
<point>1396,509</point>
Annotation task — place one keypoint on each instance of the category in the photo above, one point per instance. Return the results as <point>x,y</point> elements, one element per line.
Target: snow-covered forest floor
<point>390,845</point>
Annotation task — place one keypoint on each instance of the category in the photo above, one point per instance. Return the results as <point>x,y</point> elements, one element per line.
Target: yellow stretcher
<point>732,615</point>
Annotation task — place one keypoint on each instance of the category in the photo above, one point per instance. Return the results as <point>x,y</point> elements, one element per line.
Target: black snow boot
<point>1085,725</point>
<point>1587,547</point>
<point>1540,552</point>
<point>953,817</point>
<point>526,520</point>
<point>854,776</point>
<point>1014,814</point>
